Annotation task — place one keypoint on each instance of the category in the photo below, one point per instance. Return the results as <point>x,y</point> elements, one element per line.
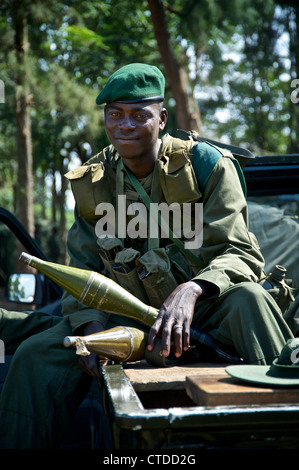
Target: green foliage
<point>237,72</point>
<point>244,94</point>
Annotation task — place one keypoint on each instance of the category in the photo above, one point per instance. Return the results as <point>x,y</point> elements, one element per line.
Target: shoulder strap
<point>241,154</point>
<point>147,201</point>
<point>204,168</point>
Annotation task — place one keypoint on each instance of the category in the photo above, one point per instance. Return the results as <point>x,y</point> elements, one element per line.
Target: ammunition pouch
<point>156,276</point>
<point>151,277</point>
<point>125,271</point>
<point>108,248</point>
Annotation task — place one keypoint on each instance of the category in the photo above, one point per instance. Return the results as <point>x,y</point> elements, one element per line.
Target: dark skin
<point>133,129</point>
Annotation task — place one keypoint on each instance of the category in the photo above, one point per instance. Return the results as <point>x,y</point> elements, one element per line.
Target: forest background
<point>231,67</point>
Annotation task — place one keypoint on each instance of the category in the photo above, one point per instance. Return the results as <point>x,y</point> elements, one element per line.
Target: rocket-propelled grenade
<point>101,293</point>
<point>94,290</point>
<point>120,344</point>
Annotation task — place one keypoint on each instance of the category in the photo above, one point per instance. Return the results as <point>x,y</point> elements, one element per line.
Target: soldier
<point>214,285</point>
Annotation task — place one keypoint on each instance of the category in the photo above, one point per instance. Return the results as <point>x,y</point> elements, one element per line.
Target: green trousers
<point>45,386</point>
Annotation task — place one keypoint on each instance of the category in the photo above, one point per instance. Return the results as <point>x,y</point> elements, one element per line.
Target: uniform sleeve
<point>229,253</point>
<point>83,252</point>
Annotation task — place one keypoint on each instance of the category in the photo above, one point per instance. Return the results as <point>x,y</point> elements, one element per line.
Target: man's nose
<point>127,122</point>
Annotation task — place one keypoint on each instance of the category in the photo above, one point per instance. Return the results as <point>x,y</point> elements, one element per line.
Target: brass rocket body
<point>118,344</point>
<point>99,292</point>
<point>95,290</point>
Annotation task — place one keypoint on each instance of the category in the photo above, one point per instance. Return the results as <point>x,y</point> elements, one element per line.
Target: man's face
<point>133,129</point>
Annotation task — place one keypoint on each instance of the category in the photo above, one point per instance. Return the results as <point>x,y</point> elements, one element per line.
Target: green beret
<point>133,83</point>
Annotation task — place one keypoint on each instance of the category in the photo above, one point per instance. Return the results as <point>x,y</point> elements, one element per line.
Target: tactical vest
<point>150,273</point>
<point>177,177</point>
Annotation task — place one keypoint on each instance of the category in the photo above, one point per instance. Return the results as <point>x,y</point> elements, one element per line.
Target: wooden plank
<point>223,390</point>
<point>145,377</point>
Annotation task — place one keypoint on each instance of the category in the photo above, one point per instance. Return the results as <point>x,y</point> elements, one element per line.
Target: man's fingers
<point>181,338</point>
<point>153,333</point>
<point>166,338</point>
<point>177,336</point>
<point>186,337</point>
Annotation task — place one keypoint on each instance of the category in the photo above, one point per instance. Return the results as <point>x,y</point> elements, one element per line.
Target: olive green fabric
<point>228,253</point>
<point>240,313</point>
<point>133,83</point>
<point>210,156</point>
<point>230,256</point>
<point>31,325</point>
<point>44,386</point>
<point>205,152</point>
<point>54,386</point>
<point>246,317</point>
<point>92,183</point>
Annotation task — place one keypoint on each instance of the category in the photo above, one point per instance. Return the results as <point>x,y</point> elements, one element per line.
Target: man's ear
<point>163,118</point>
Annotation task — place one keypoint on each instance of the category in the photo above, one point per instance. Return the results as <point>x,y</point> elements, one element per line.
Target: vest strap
<point>164,226</point>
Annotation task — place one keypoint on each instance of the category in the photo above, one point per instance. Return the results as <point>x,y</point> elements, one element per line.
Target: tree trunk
<point>176,74</point>
<point>54,199</point>
<point>62,198</point>
<point>296,47</point>
<point>24,190</point>
<point>294,55</point>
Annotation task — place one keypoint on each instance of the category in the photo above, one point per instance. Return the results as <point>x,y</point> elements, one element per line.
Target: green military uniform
<point>229,258</point>
<point>240,312</point>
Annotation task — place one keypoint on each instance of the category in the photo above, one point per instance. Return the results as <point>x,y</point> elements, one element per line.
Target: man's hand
<point>90,364</point>
<point>175,317</point>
